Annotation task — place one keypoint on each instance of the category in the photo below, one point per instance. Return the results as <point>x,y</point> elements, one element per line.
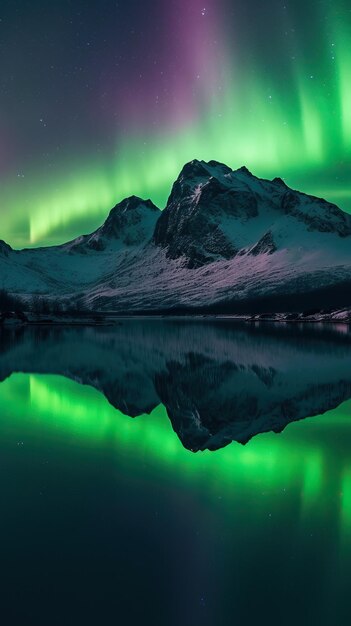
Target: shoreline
<point>114,319</point>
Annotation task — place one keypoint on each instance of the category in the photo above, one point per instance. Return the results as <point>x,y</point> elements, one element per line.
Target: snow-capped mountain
<point>83,262</point>
<point>226,241</point>
<point>129,224</point>
<point>214,213</point>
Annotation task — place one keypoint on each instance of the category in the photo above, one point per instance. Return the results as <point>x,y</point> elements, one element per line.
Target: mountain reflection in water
<point>107,519</point>
<point>218,381</point>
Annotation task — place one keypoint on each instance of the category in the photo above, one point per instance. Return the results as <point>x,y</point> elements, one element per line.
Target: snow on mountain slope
<point>130,223</point>
<point>85,260</point>
<point>225,238</point>
<point>215,213</point>
<point>159,284</point>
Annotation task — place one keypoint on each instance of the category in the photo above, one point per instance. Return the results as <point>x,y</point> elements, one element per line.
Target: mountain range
<point>226,241</point>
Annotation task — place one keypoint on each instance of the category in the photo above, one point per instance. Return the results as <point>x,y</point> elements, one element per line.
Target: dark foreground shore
<point>13,318</point>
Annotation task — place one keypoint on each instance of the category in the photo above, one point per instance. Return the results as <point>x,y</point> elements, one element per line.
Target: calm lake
<point>163,473</point>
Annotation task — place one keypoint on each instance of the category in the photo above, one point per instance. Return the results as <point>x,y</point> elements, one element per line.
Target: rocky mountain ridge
<point>227,241</point>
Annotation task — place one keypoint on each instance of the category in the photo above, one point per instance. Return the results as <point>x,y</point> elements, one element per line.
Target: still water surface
<point>114,510</point>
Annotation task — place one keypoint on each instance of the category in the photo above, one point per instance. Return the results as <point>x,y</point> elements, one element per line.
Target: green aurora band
<point>298,128</point>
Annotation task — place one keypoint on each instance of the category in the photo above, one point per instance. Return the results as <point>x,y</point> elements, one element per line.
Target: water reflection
<point>100,510</point>
<point>219,382</point>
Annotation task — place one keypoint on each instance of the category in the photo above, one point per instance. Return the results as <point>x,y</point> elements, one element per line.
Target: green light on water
<point>346,503</point>
<point>313,479</point>
<point>300,466</point>
<point>60,407</point>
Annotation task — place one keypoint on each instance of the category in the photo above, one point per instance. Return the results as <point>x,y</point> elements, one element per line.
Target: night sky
<point>101,99</point>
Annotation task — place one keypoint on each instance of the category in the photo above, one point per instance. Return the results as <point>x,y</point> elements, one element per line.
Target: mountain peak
<point>216,213</point>
<point>131,222</point>
<point>132,203</point>
<point>200,169</point>
<point>193,169</point>
<point>243,170</point>
<point>279,181</point>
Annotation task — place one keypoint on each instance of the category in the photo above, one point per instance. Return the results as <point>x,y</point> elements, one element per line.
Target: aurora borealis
<point>102,100</point>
